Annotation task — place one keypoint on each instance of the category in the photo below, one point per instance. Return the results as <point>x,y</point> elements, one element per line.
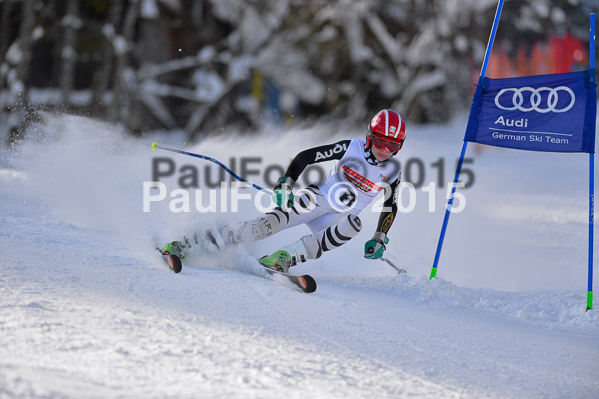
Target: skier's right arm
<point>282,194</point>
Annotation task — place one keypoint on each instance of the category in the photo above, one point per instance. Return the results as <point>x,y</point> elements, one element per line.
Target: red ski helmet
<point>386,130</point>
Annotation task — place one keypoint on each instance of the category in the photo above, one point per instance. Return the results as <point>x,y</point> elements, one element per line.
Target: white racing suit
<point>329,208</point>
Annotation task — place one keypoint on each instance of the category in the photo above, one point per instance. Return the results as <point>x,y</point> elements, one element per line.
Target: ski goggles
<point>382,143</point>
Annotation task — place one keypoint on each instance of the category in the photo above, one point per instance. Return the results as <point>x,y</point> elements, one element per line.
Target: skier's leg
<point>256,229</point>
<point>312,246</point>
<point>305,209</point>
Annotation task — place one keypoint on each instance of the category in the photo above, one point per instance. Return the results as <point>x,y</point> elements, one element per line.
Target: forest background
<point>210,67</point>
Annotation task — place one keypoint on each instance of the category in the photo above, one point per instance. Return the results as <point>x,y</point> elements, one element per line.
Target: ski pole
<point>229,171</point>
<point>399,271</point>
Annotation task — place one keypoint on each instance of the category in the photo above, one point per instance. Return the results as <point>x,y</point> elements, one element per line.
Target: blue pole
<point>448,211</point>
<point>491,38</point>
<point>591,177</point>
<point>465,144</point>
<point>591,225</point>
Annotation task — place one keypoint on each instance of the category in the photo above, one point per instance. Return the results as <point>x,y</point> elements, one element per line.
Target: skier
<point>329,208</point>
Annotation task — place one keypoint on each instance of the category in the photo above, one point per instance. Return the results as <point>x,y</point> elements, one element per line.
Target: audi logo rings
<point>535,99</point>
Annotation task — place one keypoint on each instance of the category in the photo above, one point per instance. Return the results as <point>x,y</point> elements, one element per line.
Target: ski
<point>305,282</point>
<point>173,261</point>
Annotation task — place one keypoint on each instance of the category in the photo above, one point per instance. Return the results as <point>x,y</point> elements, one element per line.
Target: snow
<point>149,9</point>
<point>253,30</point>
<point>14,54</point>
<point>120,45</point>
<point>38,33</point>
<point>87,309</point>
<point>209,85</point>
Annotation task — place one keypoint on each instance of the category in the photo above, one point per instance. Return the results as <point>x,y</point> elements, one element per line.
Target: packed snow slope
<point>88,309</point>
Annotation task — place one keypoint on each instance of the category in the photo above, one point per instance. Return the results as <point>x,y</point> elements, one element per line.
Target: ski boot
<point>174,248</point>
<point>288,256</point>
<point>279,261</point>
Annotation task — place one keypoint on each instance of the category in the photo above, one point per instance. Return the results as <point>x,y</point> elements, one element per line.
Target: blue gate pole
<point>465,144</point>
<point>591,178</point>
<point>448,211</point>
<point>591,224</point>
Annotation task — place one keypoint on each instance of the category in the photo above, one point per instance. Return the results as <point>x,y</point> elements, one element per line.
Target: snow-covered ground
<point>87,309</point>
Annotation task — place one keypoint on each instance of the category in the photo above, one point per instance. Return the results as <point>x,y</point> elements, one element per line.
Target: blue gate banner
<point>555,113</point>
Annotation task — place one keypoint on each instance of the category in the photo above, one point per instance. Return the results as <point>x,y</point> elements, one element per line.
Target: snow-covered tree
<point>206,65</point>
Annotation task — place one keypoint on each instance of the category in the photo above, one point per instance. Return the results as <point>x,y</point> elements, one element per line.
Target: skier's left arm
<point>375,247</point>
